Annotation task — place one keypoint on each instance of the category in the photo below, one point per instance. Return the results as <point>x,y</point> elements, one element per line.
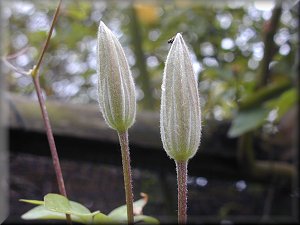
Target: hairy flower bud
<point>180,115</point>
<point>116,92</point>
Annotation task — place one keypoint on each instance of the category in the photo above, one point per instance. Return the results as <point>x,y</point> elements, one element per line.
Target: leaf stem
<point>123,138</point>
<point>181,168</point>
<point>55,158</point>
<point>35,77</point>
<point>50,137</point>
<point>54,20</point>
<point>34,73</point>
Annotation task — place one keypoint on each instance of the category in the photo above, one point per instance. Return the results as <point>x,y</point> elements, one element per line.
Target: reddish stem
<point>181,168</point>
<point>123,138</point>
<point>55,159</point>
<point>50,137</point>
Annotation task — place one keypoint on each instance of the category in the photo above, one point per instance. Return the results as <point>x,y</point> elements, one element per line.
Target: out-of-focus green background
<point>229,43</point>
<point>225,40</point>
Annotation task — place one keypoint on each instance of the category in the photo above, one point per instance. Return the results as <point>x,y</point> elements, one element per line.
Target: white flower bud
<point>180,115</point>
<point>116,91</point>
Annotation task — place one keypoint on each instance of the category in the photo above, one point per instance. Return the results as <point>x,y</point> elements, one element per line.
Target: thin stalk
<point>34,73</point>
<point>35,77</point>
<point>46,44</point>
<point>123,138</point>
<point>55,158</point>
<point>181,168</point>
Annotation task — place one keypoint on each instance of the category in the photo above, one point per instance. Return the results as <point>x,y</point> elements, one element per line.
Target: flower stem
<point>55,159</point>
<point>181,168</point>
<point>123,138</point>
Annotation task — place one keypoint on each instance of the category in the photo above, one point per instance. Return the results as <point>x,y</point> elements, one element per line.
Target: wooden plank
<point>82,134</point>
<point>86,122</point>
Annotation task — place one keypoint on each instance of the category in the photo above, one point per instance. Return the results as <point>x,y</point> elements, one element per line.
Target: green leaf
<point>57,203</point>
<point>56,207</point>
<point>78,212</point>
<point>103,219</point>
<point>41,213</point>
<point>79,209</point>
<point>82,212</point>
<point>143,219</point>
<point>287,100</point>
<point>264,94</point>
<point>247,120</point>
<point>35,202</point>
<point>120,213</point>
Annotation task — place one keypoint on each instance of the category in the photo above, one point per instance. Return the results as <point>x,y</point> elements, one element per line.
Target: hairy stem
<point>181,168</point>
<point>54,20</point>
<point>55,159</point>
<point>50,138</point>
<point>123,138</point>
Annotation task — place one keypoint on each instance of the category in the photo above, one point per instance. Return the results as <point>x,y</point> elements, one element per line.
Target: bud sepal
<point>180,115</point>
<point>116,91</point>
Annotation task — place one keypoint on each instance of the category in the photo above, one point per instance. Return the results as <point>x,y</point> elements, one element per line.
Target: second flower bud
<point>116,91</point>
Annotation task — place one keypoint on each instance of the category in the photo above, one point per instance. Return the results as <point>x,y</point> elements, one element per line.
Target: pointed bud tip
<point>177,37</point>
<point>102,26</point>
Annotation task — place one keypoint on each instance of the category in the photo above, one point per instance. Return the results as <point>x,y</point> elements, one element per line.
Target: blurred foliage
<point>225,39</point>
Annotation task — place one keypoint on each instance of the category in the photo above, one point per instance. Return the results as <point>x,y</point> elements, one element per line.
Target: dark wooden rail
<point>82,134</point>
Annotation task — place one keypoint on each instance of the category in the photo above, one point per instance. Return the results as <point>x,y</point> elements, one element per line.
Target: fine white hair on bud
<point>180,114</point>
<point>116,91</point>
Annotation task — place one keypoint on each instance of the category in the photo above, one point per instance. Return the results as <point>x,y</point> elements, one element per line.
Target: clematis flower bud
<point>180,115</point>
<point>116,92</point>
